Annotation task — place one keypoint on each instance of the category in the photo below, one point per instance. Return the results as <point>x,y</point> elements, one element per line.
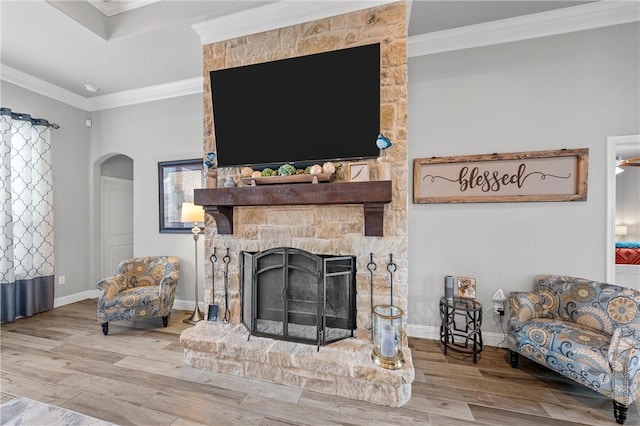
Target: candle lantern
<point>387,337</point>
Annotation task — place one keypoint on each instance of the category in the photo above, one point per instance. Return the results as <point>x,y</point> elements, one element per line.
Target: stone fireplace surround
<point>342,368</point>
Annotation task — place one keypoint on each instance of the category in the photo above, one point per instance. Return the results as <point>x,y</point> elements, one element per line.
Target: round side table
<point>460,326</point>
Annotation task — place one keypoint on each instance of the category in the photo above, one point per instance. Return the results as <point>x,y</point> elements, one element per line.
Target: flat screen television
<point>300,110</point>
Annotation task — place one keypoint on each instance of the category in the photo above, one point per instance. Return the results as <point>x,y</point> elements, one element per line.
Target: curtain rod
<point>26,117</point>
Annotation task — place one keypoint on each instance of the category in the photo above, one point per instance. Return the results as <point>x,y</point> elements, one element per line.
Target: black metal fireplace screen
<point>291,294</point>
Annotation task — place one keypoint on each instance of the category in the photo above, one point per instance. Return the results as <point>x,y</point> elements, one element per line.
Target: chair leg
<point>165,321</point>
<point>620,412</point>
<point>514,359</point>
<point>105,328</point>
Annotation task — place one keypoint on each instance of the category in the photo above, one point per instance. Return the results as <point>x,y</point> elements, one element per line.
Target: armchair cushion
<point>142,287</point>
<point>588,331</point>
<point>568,343</point>
<point>527,306</point>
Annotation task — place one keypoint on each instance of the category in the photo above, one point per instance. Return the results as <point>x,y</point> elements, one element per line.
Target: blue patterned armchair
<point>586,330</point>
<point>143,287</point>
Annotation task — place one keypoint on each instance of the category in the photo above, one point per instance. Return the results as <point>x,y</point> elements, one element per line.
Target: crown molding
<point>29,82</point>
<point>559,21</point>
<point>109,8</point>
<point>157,92</point>
<point>275,15</point>
<point>113,100</point>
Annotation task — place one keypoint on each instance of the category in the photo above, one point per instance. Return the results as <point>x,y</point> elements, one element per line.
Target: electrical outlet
<point>498,308</point>
<point>498,302</point>
<point>62,279</point>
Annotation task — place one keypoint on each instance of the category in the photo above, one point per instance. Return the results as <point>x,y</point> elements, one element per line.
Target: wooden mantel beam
<point>220,202</point>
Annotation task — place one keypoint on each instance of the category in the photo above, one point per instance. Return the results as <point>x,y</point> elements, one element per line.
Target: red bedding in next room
<point>628,253</point>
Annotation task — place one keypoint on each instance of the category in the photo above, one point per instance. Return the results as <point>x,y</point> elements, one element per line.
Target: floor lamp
<point>195,214</point>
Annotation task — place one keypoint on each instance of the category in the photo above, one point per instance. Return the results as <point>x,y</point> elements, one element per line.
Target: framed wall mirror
<point>176,182</point>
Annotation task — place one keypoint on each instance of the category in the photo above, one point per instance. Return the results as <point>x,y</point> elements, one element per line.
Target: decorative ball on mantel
<point>316,169</point>
<point>328,167</point>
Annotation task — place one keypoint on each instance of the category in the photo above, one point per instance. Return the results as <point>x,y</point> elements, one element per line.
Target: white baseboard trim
<point>433,333</point>
<point>413,330</point>
<point>183,305</point>
<point>188,305</point>
<point>76,297</point>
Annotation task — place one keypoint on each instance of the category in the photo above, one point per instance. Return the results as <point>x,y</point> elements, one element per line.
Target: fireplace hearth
<point>294,295</point>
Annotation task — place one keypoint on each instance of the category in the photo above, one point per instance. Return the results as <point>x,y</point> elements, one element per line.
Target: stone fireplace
<point>338,229</point>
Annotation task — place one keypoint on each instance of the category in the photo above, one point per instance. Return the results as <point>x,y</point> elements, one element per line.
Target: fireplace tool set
<point>386,325</point>
<point>212,314</point>
<point>226,317</point>
<point>371,266</point>
<point>214,309</point>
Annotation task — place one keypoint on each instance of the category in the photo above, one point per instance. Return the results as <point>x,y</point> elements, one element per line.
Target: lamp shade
<point>192,213</point>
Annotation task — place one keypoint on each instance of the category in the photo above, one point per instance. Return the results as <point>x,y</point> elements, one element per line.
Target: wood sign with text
<point>559,175</point>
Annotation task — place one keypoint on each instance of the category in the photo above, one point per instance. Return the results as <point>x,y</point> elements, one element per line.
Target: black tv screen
<point>301,110</point>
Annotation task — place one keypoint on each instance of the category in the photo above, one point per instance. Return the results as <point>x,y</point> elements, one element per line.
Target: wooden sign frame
<point>559,175</point>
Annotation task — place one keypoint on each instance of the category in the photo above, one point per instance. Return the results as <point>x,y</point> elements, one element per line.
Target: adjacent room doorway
<point>617,146</point>
<point>116,218</point>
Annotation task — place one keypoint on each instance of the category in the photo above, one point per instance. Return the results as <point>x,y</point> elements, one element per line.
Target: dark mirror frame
<point>176,182</point>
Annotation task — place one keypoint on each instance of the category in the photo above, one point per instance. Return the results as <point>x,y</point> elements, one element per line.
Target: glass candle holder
<point>384,168</point>
<point>387,337</point>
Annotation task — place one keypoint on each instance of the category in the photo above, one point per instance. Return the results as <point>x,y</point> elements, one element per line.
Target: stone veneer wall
<point>323,229</point>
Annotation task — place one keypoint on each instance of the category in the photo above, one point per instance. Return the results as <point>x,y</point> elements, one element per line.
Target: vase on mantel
<point>211,178</point>
<point>230,182</point>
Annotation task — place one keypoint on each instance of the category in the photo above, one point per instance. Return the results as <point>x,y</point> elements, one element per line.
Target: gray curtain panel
<point>26,216</point>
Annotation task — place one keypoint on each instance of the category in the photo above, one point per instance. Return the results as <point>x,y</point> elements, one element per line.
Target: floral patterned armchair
<point>142,287</point>
<point>586,330</point>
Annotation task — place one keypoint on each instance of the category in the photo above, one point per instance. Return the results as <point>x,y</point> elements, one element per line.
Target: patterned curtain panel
<point>26,216</point>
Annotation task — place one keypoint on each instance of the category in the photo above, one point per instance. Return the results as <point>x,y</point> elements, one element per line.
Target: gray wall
<point>70,157</point>
<point>164,130</point>
<point>567,91</point>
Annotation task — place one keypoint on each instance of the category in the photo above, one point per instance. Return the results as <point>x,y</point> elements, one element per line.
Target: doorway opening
<point>624,147</point>
<point>116,212</point>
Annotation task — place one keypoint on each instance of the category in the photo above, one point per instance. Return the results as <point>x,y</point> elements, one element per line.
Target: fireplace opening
<point>291,294</point>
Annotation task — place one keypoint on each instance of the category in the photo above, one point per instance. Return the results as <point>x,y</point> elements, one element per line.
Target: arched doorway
<point>116,212</point>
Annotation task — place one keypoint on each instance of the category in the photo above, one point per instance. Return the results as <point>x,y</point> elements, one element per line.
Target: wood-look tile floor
<point>136,376</point>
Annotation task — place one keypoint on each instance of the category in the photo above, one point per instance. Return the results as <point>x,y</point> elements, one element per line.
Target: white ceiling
<point>123,45</point>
